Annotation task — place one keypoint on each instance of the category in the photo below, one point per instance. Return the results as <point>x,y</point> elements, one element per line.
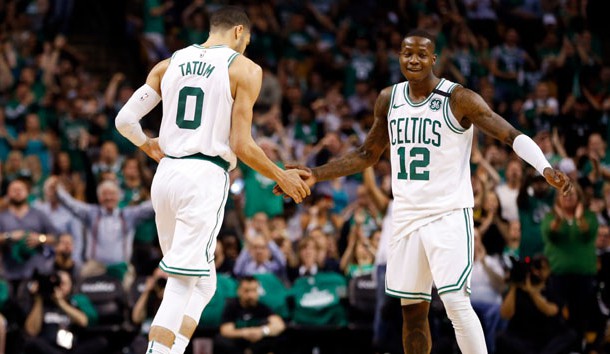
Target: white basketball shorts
<point>440,252</point>
<point>189,197</point>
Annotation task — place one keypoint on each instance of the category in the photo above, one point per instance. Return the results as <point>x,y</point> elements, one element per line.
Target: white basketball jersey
<point>430,155</point>
<point>197,103</point>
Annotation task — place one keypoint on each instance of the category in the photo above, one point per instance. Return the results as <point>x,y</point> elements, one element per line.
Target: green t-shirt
<point>83,303</point>
<point>259,193</point>
<point>356,270</point>
<point>569,249</point>
<point>530,218</point>
<point>153,24</point>
<point>317,299</point>
<point>273,293</point>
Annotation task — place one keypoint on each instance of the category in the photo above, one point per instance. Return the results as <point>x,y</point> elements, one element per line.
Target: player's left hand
<point>152,149</point>
<point>558,180</point>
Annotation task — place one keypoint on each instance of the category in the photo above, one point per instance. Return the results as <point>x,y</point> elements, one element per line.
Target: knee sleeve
<point>458,307</point>
<point>468,330</point>
<point>202,294</point>
<point>177,294</point>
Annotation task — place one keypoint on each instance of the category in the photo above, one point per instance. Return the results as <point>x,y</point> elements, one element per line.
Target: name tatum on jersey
<point>196,68</point>
<point>415,130</point>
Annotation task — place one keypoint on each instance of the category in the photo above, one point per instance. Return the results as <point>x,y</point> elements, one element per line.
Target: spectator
<point>258,188</point>
<point>320,215</point>
<point>34,141</point>
<point>247,325</point>
<point>56,317</point>
<point>487,287</point>
<point>261,255</point>
<point>507,192</point>
<point>508,65</point>
<point>540,112</point>
<point>228,250</point>
<point>535,200</point>
<point>63,220</point>
<point>359,255</point>
<point>569,234</point>
<point>154,29</point>
<point>71,179</point>
<point>26,232</point>
<point>110,161</point>
<point>534,319</point>
<point>307,252</point>
<point>110,230</point>
<point>146,306</point>
<point>491,226</point>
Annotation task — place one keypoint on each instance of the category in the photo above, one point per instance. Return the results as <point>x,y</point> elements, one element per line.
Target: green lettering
<point>392,127</point>
<point>399,130</point>
<point>182,69</point>
<point>200,68</point>
<point>189,70</point>
<point>424,128</point>
<point>414,128</point>
<point>436,142</point>
<point>208,70</point>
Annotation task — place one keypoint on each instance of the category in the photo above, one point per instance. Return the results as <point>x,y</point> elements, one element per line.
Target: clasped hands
<point>297,182</point>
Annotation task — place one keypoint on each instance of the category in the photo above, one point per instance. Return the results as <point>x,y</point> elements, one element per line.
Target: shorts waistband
<point>217,160</point>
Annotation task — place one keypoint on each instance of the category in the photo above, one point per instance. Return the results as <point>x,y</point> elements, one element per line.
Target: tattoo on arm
<point>367,154</point>
<point>469,107</point>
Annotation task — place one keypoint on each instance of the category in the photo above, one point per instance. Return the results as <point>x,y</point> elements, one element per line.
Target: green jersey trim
<point>462,279</point>
<point>419,104</point>
<point>210,47</point>
<point>447,119</point>
<point>391,100</point>
<point>232,57</point>
<point>220,207</point>
<point>184,271</point>
<point>408,295</point>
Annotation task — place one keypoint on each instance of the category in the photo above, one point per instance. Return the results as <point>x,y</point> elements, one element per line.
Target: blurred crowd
<point>78,242</point>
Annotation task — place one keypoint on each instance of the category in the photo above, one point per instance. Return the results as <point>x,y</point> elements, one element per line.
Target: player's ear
<point>239,31</point>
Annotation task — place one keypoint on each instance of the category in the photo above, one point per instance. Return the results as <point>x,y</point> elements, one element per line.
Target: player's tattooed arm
<point>368,153</point>
<point>470,108</point>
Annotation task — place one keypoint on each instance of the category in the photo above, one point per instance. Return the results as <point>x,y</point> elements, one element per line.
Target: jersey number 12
<point>420,158</point>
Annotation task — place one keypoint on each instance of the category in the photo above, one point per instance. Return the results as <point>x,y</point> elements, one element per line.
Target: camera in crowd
<point>46,283</point>
<point>520,269</point>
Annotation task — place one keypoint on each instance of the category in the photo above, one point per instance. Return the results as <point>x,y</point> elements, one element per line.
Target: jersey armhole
<point>232,58</point>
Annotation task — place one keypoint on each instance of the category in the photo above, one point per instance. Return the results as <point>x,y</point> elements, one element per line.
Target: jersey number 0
<point>185,92</point>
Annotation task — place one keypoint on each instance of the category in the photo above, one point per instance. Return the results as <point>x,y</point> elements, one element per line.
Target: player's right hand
<point>152,149</point>
<point>293,184</point>
<point>309,178</point>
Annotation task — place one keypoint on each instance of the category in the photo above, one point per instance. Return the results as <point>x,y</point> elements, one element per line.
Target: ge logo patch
<point>435,104</point>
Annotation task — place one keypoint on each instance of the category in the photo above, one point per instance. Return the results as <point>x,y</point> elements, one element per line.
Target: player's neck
<point>218,39</point>
<point>424,87</point>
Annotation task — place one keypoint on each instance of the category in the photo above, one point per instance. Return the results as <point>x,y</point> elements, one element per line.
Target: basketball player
<point>427,121</point>
<point>208,94</point>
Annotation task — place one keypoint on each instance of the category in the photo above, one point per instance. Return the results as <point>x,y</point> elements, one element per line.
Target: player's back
<point>197,103</point>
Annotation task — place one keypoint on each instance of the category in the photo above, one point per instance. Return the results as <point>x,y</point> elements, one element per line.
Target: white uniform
<point>191,184</point>
<point>432,218</point>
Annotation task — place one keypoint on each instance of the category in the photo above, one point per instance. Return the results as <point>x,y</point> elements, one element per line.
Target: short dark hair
<point>247,279</point>
<point>228,17</point>
<point>423,34</point>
